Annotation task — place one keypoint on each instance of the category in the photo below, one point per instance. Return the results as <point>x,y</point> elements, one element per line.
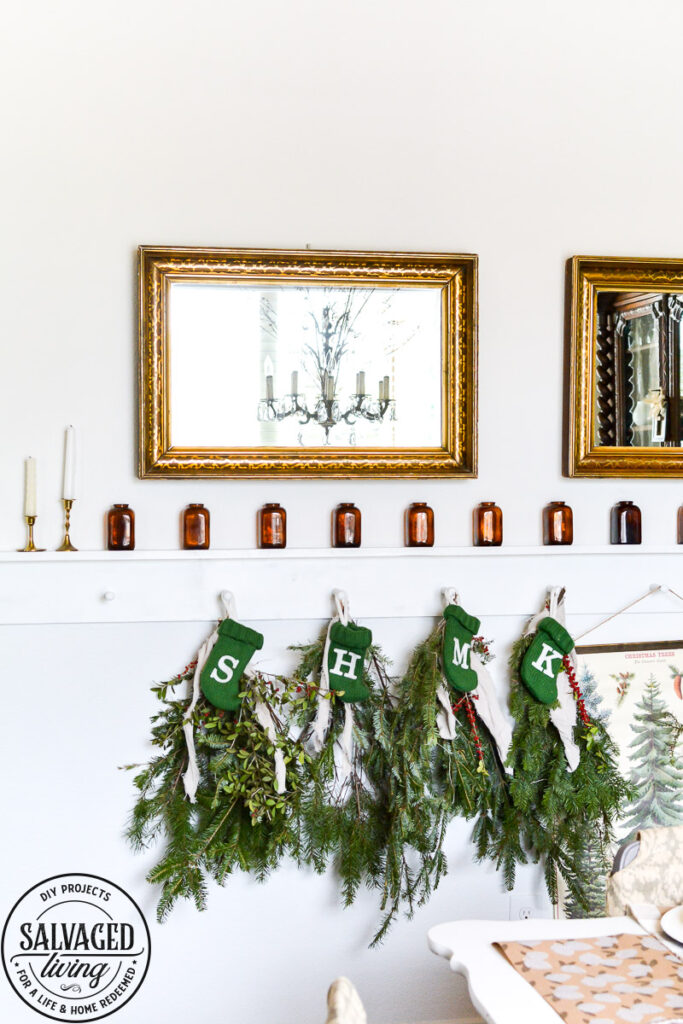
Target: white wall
<point>524,132</point>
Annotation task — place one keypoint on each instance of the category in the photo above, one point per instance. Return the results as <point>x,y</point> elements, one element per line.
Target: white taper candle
<point>30,488</point>
<point>69,479</point>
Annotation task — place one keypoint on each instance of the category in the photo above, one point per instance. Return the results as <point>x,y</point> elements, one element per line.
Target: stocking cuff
<point>558,634</point>
<point>236,631</point>
<point>356,638</point>
<point>459,615</point>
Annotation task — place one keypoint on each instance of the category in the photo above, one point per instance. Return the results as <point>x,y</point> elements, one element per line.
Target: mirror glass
<point>291,365</point>
<point>637,373</point>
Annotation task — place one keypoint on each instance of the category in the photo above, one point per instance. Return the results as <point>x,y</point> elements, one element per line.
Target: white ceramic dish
<point>672,923</point>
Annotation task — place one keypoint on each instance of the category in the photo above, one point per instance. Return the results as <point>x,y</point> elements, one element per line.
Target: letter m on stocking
<point>461,654</point>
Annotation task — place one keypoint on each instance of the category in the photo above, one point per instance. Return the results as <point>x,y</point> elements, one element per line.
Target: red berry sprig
<point>573,682</point>
<point>480,644</point>
<point>466,702</point>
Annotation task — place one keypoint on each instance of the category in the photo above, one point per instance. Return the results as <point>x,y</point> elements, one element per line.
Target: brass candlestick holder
<point>66,544</point>
<point>30,545</point>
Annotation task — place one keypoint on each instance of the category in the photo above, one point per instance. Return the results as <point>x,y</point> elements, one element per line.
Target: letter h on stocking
<point>345,660</point>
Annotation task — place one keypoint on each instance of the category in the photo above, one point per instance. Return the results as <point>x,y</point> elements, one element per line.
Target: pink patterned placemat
<point>611,979</point>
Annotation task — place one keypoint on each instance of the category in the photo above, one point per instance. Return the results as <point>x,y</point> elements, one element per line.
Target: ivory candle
<point>269,387</point>
<point>361,382</point>
<point>69,479</point>
<point>30,489</point>
<point>386,389</point>
<point>295,382</point>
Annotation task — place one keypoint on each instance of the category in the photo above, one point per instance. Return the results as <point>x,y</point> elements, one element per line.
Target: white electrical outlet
<point>527,905</point>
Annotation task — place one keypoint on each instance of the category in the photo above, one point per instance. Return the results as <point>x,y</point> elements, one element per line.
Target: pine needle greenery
<point>343,810</point>
<point>432,781</point>
<point>381,819</point>
<point>239,821</point>
<point>553,815</point>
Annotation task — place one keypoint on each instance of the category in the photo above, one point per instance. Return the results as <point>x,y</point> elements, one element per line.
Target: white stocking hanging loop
<point>228,601</point>
<point>341,603</point>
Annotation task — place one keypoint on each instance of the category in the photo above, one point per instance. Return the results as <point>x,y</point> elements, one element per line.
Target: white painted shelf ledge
<point>292,554</point>
<point>183,586</point>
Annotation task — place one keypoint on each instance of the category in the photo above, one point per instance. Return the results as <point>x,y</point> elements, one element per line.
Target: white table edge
<point>457,942</point>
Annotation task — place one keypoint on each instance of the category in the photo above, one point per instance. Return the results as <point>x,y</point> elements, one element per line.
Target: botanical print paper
<point>611,979</point>
<point>635,689</point>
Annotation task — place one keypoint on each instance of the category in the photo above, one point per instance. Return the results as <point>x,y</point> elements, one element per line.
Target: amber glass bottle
<point>625,523</point>
<point>272,526</point>
<point>679,526</point>
<point>196,527</point>
<point>120,528</point>
<point>558,523</point>
<point>346,526</point>
<point>488,525</point>
<point>419,525</point>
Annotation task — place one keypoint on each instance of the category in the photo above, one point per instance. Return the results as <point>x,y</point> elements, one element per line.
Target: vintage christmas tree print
<point>636,690</point>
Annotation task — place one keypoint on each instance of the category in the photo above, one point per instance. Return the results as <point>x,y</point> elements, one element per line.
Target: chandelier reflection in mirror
<point>334,326</point>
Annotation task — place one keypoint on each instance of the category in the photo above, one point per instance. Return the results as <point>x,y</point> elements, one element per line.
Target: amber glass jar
<point>346,526</point>
<point>625,523</point>
<point>120,528</point>
<point>679,526</point>
<point>196,527</point>
<point>419,525</point>
<point>272,526</point>
<point>558,523</point>
<point>488,525</point>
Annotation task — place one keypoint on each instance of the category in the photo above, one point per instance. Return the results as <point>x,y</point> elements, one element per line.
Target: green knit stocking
<point>457,648</point>
<point>345,660</point>
<point>228,658</point>
<point>543,659</point>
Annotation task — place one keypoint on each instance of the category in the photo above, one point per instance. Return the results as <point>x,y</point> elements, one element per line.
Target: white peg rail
<point>184,586</point>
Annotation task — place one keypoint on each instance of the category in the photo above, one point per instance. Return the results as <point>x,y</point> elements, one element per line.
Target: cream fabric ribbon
<point>321,723</point>
<point>263,714</point>
<point>488,706</point>
<point>563,717</point>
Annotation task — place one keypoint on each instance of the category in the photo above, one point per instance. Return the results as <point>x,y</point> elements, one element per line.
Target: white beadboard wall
<point>525,133</point>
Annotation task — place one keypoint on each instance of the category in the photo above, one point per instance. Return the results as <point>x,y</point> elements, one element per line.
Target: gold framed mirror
<point>306,363</point>
<point>625,382</point>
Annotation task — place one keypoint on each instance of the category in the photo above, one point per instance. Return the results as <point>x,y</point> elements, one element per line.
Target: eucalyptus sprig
<point>239,820</point>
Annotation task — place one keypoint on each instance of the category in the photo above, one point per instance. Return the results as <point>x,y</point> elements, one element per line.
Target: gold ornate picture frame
<point>258,362</point>
<point>624,353</point>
